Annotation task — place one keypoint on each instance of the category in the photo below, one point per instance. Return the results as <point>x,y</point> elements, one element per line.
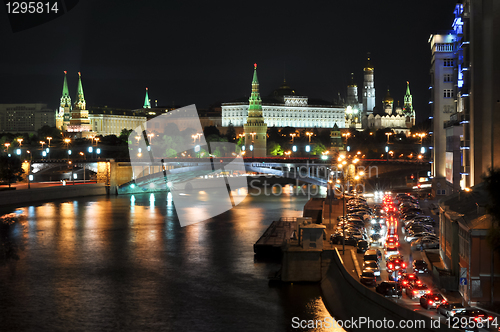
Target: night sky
<point>203,52</point>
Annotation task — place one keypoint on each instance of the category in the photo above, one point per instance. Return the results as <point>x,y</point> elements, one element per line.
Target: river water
<point>125,264</point>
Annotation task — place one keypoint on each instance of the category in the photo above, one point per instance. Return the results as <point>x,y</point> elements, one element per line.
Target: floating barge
<point>276,235</point>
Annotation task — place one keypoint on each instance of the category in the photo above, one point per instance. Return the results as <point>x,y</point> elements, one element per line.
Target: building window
<point>448,62</point>
<point>448,93</point>
<point>447,77</point>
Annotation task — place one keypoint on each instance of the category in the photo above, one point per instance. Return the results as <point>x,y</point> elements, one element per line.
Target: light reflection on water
<point>125,263</point>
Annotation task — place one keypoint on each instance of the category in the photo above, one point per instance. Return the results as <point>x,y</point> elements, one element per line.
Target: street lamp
<point>20,141</point>
<point>309,134</point>
<point>293,135</point>
<point>388,134</point>
<point>49,138</point>
<point>7,146</point>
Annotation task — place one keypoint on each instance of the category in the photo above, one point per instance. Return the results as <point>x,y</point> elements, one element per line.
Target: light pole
<point>293,135</point>
<point>309,134</point>
<point>20,141</point>
<point>48,139</point>
<point>7,147</point>
<point>388,134</point>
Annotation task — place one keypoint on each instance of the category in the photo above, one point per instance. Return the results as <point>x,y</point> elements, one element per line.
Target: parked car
<point>389,289</point>
<point>425,242</point>
<point>372,255</point>
<point>372,266</point>
<point>368,278</point>
<point>431,301</point>
<point>416,290</point>
<point>362,246</point>
<point>413,236</point>
<point>420,266</point>
<point>450,309</point>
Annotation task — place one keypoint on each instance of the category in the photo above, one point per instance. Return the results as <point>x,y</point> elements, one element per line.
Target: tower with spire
<point>64,114</point>
<point>368,88</point>
<point>408,104</point>
<point>255,128</point>
<point>147,102</point>
<point>79,121</point>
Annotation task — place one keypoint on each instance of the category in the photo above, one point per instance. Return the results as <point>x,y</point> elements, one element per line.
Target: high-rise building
<point>368,88</point>
<point>25,118</point>
<point>442,101</point>
<point>469,57</point>
<point>255,127</point>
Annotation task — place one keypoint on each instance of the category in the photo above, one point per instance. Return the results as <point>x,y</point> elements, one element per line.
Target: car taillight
<point>405,282</point>
<point>436,298</point>
<point>390,266</point>
<point>476,319</point>
<point>430,302</point>
<point>490,317</point>
<point>427,291</point>
<point>404,265</point>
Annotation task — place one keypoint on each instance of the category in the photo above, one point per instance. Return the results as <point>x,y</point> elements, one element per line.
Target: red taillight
<point>427,291</point>
<point>418,282</point>
<point>405,282</point>
<point>490,317</point>
<point>404,265</point>
<point>476,319</point>
<point>437,298</point>
<point>430,302</point>
<point>415,292</point>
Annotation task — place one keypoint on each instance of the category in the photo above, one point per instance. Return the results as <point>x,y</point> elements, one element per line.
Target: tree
<point>10,169</point>
<point>492,186</point>
<point>231,133</point>
<point>125,134</point>
<point>274,149</point>
<point>211,130</point>
<point>47,131</point>
<point>318,149</point>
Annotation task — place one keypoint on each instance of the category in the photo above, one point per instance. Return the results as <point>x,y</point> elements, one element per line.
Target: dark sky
<point>203,52</point>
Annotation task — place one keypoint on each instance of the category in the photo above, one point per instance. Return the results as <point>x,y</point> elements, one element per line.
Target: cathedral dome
<point>388,99</point>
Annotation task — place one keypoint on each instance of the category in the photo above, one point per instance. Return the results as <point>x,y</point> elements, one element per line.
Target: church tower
<point>255,128</point>
<point>408,105</point>
<point>64,114</point>
<point>79,121</point>
<point>368,88</point>
<point>352,93</point>
<point>388,103</point>
<point>147,102</point>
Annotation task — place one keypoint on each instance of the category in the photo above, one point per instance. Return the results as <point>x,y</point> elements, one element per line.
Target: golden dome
<point>388,98</point>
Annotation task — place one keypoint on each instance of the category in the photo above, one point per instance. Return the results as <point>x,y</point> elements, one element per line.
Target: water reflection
<point>124,263</point>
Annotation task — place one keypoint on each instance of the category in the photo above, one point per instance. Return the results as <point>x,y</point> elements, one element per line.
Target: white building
<point>285,109</point>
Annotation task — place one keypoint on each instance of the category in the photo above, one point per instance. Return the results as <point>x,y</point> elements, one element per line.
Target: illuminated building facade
<point>283,108</point>
<point>73,118</point>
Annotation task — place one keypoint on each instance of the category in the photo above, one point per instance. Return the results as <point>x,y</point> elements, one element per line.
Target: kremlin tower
<point>255,128</point>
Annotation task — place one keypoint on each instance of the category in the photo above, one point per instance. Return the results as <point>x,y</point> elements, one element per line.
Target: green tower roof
<point>65,98</point>
<point>65,92</point>
<point>147,103</point>
<point>408,88</point>
<point>255,102</point>
<point>80,98</point>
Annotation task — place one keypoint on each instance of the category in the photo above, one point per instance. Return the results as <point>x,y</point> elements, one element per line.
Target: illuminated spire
<point>80,98</point>
<point>408,104</point>
<point>147,103</point>
<point>65,98</point>
<point>255,102</point>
